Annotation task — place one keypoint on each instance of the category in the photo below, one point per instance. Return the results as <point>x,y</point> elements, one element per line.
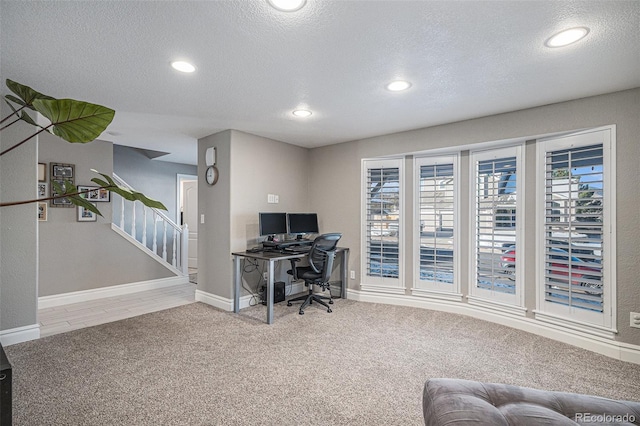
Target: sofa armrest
<point>465,402</point>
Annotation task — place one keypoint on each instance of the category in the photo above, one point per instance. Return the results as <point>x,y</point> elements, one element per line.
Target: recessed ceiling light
<point>287,5</point>
<point>398,85</point>
<point>183,66</point>
<point>301,113</point>
<point>566,37</point>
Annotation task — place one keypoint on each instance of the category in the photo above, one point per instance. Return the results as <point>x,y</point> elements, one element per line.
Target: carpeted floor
<point>363,364</point>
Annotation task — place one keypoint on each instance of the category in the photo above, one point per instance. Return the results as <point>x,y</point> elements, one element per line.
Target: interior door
<point>190,217</point>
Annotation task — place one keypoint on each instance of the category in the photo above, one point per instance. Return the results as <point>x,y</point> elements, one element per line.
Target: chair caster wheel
<point>301,313</point>
<point>330,301</point>
<point>329,310</point>
<point>289,304</point>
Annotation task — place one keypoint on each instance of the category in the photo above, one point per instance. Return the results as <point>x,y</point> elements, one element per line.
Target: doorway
<point>187,205</point>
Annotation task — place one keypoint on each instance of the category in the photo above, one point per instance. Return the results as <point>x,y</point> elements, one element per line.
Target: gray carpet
<point>363,364</point>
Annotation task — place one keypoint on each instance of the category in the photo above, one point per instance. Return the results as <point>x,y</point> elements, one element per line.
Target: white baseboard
<point>214,300</point>
<point>19,334</point>
<point>245,301</point>
<point>116,290</point>
<point>611,348</point>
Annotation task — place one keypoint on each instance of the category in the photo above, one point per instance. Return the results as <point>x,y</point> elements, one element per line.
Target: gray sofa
<point>463,402</point>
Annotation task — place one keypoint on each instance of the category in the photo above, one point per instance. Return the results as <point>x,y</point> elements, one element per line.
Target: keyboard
<point>299,249</point>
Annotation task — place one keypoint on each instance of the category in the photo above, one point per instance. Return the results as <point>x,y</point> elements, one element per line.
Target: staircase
<point>151,231</point>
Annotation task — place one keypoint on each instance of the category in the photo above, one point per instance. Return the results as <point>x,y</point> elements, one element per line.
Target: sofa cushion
<point>464,402</point>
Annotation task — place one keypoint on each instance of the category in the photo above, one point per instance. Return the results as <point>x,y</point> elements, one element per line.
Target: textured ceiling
<point>256,64</point>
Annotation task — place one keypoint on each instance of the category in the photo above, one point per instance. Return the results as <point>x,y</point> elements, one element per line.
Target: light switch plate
<point>634,319</point>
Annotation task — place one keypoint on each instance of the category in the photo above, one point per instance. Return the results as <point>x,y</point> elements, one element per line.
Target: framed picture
<point>95,194</point>
<point>42,172</point>
<point>43,189</point>
<point>85,215</point>
<point>62,171</point>
<point>59,202</point>
<point>42,211</point>
<point>91,195</point>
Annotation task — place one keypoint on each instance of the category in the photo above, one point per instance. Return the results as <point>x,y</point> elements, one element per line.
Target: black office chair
<point>321,256</point>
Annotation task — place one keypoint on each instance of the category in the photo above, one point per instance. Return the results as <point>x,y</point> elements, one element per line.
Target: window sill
<point>591,329</point>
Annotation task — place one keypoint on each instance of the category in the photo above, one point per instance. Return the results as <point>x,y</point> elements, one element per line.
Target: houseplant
<point>74,121</point>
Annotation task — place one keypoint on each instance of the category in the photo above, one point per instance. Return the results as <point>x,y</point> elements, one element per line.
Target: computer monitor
<point>273,223</point>
<point>302,223</point>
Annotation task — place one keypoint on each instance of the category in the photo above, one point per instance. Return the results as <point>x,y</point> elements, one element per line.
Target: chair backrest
<point>322,254</point>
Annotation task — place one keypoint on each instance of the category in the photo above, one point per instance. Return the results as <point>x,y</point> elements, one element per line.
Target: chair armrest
<point>294,270</point>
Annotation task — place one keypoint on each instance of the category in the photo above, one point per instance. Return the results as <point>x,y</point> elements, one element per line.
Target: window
<point>497,193</point>
<point>435,227</point>
<point>382,222</point>
<point>575,245</point>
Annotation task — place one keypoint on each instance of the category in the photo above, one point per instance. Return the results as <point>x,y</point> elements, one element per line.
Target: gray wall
<point>335,179</point>
<point>214,202</point>
<point>250,167</point>
<point>18,229</point>
<point>77,256</point>
<point>157,179</point>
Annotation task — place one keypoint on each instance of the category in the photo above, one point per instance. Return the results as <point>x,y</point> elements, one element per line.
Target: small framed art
<point>85,215</point>
<point>59,202</point>
<point>42,172</point>
<point>62,171</point>
<point>42,211</point>
<point>43,189</point>
<point>95,193</point>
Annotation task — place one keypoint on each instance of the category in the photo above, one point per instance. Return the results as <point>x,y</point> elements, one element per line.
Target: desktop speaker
<point>278,293</point>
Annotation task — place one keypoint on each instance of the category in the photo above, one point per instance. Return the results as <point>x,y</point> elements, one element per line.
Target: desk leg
<point>236,284</point>
<point>344,274</point>
<point>270,292</point>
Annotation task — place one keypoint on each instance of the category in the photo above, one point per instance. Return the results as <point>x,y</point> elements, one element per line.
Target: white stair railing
<point>168,239</point>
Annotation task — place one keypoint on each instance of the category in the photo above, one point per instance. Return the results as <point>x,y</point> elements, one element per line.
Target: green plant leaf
<point>26,95</point>
<point>148,201</point>
<point>126,193</point>
<point>99,182</point>
<point>69,187</point>
<point>57,188</point>
<point>79,201</point>
<point>75,121</point>
<point>107,177</point>
<point>23,114</point>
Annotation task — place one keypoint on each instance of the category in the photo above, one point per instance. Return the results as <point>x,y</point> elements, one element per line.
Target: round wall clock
<point>212,175</point>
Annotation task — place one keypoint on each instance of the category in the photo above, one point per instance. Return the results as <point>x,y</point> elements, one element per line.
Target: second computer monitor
<point>302,223</point>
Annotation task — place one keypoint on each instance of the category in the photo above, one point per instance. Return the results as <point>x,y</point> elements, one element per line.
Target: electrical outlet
<point>276,198</point>
<point>265,276</point>
<point>634,320</point>
<point>353,275</point>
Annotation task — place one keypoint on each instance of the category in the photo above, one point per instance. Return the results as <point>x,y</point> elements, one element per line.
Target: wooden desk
<point>271,258</point>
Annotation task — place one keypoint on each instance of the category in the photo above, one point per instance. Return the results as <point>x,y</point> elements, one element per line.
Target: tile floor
<point>65,318</point>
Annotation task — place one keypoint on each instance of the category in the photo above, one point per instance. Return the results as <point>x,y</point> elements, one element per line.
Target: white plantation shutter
<point>436,223</point>
<point>576,247</point>
<point>382,222</point>
<point>573,227</point>
<point>497,195</point>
